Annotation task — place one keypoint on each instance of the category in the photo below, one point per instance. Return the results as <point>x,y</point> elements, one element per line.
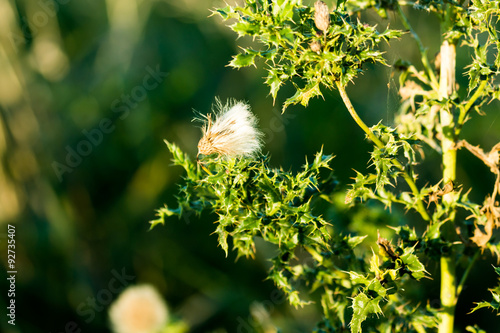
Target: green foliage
<point>387,172</point>
<point>253,200</point>
<point>364,291</point>
<point>482,17</point>
<point>286,30</point>
<point>495,302</point>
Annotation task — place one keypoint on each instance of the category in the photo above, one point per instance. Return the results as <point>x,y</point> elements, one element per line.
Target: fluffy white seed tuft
<point>230,131</point>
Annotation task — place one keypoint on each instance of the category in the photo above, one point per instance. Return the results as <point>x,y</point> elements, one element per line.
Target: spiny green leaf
<point>303,95</point>
<point>274,81</point>
<point>481,305</point>
<point>244,59</point>
<point>355,241</point>
<point>246,28</point>
<point>495,302</point>
<point>416,268</point>
<point>363,306</point>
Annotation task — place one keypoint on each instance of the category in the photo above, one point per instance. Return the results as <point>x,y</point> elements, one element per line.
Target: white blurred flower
<point>231,133</point>
<point>139,309</point>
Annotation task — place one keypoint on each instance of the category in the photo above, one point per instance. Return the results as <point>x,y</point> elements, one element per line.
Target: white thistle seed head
<point>230,131</point>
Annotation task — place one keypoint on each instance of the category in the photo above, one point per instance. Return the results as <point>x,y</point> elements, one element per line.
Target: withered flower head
<point>321,16</point>
<point>315,46</point>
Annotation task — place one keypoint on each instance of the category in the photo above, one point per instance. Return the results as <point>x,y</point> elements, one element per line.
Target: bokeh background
<point>89,89</point>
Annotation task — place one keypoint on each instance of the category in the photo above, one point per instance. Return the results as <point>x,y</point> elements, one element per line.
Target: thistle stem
<point>477,94</point>
<point>345,98</point>
<point>448,294</point>
<point>357,119</point>
<point>466,273</point>
<point>200,163</point>
<point>448,126</point>
<point>463,111</point>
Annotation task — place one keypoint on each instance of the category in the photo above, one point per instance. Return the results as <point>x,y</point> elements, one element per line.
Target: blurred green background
<point>89,89</point>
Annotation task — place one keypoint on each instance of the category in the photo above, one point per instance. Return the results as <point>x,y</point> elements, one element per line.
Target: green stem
<point>448,280</point>
<point>477,94</point>
<point>357,119</point>
<point>422,49</point>
<point>448,294</point>
<point>449,159</point>
<point>466,108</point>
<point>345,98</point>
<point>466,273</point>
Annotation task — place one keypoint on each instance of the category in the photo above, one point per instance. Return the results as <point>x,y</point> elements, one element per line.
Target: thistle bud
<point>321,16</point>
<point>315,46</point>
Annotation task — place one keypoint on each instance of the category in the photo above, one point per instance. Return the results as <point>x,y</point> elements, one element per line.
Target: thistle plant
<point>314,48</point>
